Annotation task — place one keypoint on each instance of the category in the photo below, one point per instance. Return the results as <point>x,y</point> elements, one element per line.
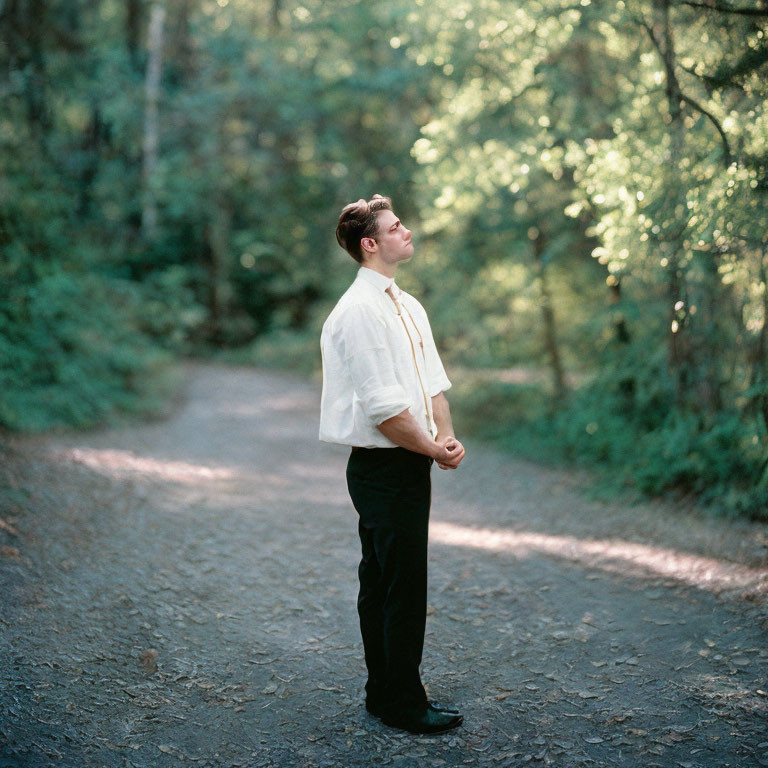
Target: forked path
<point>182,593</point>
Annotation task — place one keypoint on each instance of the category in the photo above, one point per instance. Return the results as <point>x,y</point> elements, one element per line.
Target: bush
<point>71,353</point>
<point>725,463</point>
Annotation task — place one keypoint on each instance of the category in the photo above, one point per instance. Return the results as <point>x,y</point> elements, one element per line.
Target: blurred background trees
<point>586,180</point>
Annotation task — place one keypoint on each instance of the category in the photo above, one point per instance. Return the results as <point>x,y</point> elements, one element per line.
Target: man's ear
<point>368,244</point>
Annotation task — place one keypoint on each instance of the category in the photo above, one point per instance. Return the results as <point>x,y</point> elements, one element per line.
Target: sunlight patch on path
<point>115,462</point>
<point>614,555</point>
<point>230,488</point>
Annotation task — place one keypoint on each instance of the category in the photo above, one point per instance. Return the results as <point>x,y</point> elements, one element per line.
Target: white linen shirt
<point>369,374</point>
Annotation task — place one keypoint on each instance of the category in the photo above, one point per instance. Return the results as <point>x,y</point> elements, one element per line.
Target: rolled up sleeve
<point>370,365</point>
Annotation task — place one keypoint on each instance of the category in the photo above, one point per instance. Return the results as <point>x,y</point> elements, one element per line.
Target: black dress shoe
<point>377,709</point>
<point>374,707</point>
<point>422,720</point>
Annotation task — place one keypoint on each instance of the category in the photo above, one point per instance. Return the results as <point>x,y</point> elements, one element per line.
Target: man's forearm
<point>403,430</point>
<point>442,414</point>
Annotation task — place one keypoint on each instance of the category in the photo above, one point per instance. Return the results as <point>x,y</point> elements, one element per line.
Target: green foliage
<point>71,354</point>
<point>586,183</point>
<point>724,463</point>
<point>631,135</point>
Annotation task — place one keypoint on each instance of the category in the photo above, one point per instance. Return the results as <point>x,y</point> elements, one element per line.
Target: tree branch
<point>720,8</point>
<point>727,158</point>
<point>713,119</point>
<point>649,29</point>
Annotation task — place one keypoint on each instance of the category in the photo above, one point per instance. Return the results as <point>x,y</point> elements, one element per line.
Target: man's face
<point>393,239</point>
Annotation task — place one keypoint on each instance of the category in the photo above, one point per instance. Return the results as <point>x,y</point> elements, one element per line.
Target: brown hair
<point>358,220</point>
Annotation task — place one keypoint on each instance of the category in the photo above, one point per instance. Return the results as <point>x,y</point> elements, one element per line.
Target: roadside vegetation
<point>587,183</point>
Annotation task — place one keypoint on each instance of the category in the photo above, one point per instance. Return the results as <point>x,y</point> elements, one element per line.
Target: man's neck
<point>388,270</point>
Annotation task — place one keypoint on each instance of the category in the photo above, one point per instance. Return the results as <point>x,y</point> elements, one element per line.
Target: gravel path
<point>182,593</point>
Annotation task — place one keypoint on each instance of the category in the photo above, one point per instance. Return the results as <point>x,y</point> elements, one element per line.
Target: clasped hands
<point>450,452</point>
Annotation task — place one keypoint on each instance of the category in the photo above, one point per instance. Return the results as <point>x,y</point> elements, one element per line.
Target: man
<point>383,386</point>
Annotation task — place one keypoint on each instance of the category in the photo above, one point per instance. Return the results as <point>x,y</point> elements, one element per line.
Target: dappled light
<point>116,462</point>
<point>231,484</point>
<point>210,561</point>
<point>615,555</point>
<point>587,187</point>
<point>585,182</point>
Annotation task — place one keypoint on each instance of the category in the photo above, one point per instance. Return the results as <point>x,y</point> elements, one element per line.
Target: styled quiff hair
<point>359,220</point>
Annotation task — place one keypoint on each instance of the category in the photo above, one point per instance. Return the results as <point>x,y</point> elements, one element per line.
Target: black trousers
<point>391,491</point>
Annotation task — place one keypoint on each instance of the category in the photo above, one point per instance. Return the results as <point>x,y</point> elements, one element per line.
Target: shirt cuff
<point>442,386</point>
<point>386,402</point>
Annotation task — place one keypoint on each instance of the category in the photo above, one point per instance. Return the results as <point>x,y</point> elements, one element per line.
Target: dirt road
<point>182,593</point>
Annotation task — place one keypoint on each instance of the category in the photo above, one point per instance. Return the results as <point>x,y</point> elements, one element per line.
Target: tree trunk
<point>218,267</point>
<point>22,25</point>
<point>274,16</point>
<point>710,352</point>
<point>548,320</point>
<point>180,45</point>
<point>133,14</point>
<point>759,374</point>
<point>90,148</point>
<point>151,120</point>
<point>678,344</point>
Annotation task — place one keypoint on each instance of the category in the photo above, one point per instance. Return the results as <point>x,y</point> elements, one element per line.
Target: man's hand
<point>451,453</point>
<point>403,430</point>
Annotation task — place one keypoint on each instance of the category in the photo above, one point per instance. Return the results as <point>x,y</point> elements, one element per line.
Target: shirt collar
<point>376,279</point>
